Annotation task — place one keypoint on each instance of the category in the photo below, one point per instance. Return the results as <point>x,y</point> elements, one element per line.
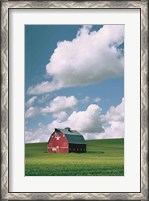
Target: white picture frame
<point>6,7</point>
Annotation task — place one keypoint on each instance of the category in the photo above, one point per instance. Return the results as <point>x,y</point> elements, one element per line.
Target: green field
<point>103,158</point>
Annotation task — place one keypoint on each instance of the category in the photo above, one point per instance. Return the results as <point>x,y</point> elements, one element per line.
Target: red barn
<point>66,141</point>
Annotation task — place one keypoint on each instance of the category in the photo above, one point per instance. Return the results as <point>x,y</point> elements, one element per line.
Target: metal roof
<point>72,136</point>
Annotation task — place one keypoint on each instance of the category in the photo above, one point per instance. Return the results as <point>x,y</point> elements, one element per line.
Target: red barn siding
<point>58,143</point>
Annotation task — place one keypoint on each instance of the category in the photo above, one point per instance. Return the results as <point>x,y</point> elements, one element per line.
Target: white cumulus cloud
<point>58,107</point>
<point>44,98</point>
<point>89,122</point>
<point>31,112</point>
<point>40,134</point>
<point>115,118</point>
<point>86,99</point>
<point>61,103</point>
<point>83,121</point>
<point>31,101</point>
<point>60,115</point>
<point>115,114</point>
<point>97,100</point>
<point>89,58</point>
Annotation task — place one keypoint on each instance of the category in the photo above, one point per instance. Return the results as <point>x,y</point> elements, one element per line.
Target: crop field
<point>103,158</point>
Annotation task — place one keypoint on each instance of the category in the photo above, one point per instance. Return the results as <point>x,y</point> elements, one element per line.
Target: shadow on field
<point>95,152</point>
<point>88,152</point>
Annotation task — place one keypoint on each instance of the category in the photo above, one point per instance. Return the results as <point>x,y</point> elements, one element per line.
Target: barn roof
<point>72,136</point>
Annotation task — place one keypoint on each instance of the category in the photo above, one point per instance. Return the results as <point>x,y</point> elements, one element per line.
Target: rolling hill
<point>103,158</point>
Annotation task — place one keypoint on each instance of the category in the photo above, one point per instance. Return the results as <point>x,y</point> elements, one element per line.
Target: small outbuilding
<point>66,141</point>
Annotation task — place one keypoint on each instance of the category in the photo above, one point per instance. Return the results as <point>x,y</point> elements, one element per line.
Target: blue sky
<point>74,76</point>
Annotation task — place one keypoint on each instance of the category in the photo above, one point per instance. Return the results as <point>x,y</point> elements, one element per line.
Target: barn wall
<point>57,143</point>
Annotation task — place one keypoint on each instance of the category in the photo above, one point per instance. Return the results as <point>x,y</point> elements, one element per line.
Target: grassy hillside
<point>103,158</point>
